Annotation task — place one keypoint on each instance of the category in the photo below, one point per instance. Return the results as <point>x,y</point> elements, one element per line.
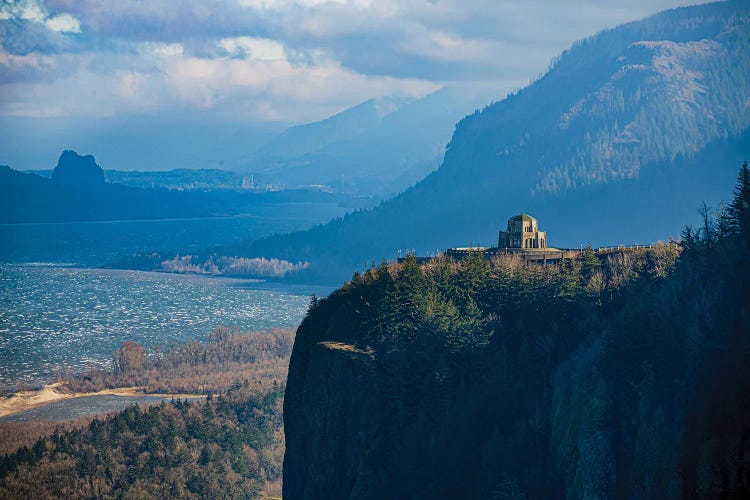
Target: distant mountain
<point>379,147</point>
<point>76,191</point>
<point>75,170</point>
<point>617,143</point>
<point>303,139</point>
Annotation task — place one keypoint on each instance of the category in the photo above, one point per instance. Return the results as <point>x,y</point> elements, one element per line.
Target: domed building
<point>522,232</point>
<point>522,238</point>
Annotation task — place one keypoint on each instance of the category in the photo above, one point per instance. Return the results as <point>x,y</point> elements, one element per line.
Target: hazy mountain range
<point>379,147</point>
<point>76,191</point>
<point>617,143</point>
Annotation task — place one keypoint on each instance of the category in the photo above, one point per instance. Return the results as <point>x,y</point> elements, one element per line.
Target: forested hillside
<point>609,376</point>
<point>230,446</point>
<point>222,448</point>
<point>654,111</point>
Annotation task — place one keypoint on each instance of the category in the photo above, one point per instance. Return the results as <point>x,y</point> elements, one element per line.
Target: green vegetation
<point>606,376</point>
<point>228,446</point>
<point>15,435</point>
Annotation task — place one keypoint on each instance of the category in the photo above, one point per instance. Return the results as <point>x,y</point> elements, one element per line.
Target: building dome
<point>522,217</point>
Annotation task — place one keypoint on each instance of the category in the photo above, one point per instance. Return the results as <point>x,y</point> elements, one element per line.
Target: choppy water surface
<point>56,319</point>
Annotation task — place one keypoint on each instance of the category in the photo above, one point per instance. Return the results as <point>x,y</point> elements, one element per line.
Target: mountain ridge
<point>515,156</point>
<point>304,138</point>
<point>381,153</point>
<point>83,195</point>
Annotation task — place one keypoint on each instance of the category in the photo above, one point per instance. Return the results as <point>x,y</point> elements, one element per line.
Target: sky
<point>273,61</point>
<point>276,60</point>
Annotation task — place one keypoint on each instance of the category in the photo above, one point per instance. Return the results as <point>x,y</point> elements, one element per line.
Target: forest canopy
<point>608,375</point>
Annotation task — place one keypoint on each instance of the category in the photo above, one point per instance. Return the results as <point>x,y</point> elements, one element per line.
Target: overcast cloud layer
<point>275,60</point>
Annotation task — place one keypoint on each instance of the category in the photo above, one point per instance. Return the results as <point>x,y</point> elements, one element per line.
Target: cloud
<point>27,10</point>
<point>260,85</point>
<point>64,23</point>
<point>258,49</point>
<point>34,11</point>
<point>161,50</point>
<point>289,60</point>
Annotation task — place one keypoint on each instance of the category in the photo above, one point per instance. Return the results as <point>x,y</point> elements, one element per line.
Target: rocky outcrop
<point>75,170</point>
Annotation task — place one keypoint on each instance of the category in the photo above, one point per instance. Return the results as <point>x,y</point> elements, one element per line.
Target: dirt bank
<point>50,393</point>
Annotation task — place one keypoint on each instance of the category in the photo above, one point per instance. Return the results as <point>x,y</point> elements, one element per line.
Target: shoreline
<point>50,393</point>
<point>252,282</point>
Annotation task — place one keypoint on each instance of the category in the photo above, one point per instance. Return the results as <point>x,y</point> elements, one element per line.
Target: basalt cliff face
<point>336,418</point>
<point>616,375</point>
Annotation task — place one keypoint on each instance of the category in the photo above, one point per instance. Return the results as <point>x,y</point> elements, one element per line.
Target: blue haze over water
<point>56,319</point>
<point>103,243</point>
<point>59,312</point>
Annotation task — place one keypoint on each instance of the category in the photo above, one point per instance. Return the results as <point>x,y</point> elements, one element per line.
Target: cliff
<point>616,376</point>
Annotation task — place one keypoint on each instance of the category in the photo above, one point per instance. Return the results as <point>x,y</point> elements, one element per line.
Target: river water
<point>69,409</point>
<point>55,319</point>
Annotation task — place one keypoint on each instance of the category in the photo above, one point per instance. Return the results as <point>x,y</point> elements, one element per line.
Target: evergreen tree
<point>738,211</point>
<point>590,262</point>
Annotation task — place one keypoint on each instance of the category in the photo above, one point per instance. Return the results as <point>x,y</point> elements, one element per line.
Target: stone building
<point>522,239</point>
<point>522,232</point>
